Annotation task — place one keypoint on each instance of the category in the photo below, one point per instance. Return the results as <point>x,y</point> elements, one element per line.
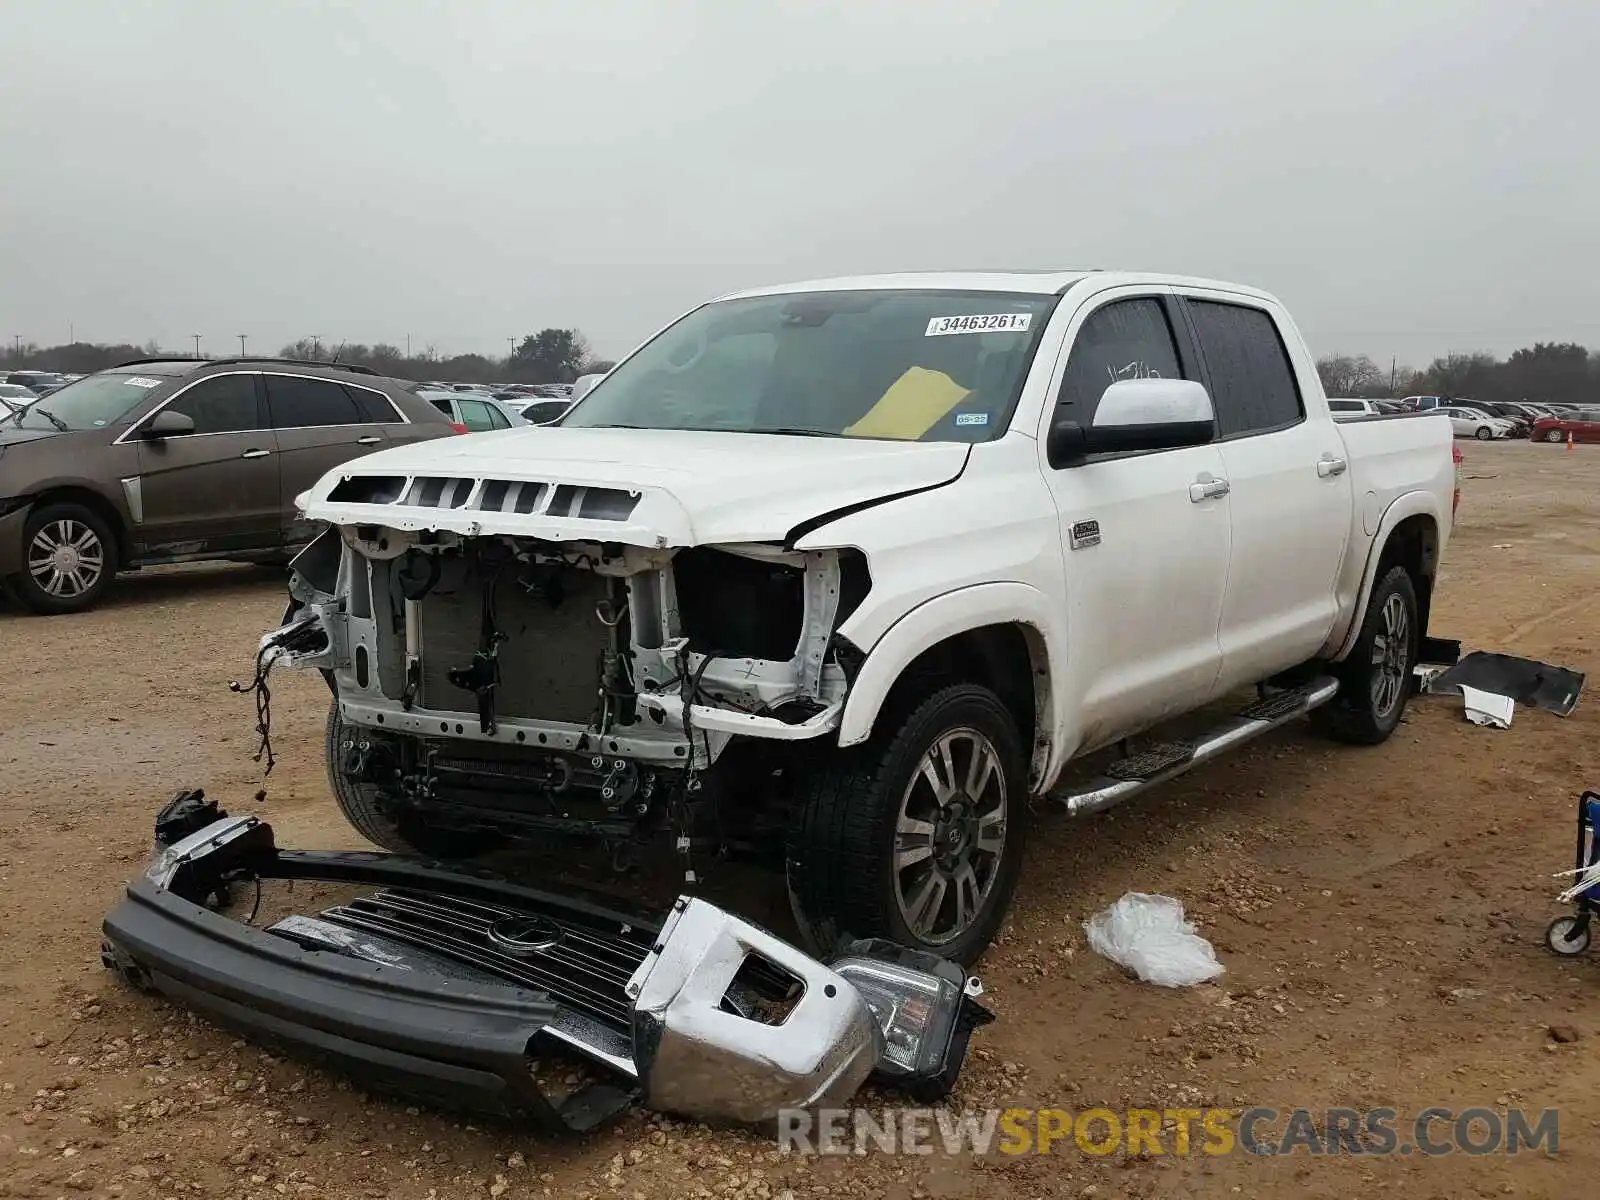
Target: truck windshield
<point>902,365</point>
<point>92,403</point>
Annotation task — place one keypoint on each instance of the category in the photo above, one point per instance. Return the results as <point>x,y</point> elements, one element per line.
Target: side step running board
<point>1131,775</point>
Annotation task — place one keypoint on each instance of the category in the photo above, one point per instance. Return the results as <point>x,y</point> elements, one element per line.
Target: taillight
<point>460,428</point>
<point>1456,456</point>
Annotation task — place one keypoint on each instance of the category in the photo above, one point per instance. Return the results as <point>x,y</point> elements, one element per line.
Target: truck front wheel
<point>358,801</point>
<point>916,836</point>
<point>1375,679</point>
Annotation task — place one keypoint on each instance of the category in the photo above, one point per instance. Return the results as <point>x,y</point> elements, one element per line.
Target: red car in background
<point>1583,425</point>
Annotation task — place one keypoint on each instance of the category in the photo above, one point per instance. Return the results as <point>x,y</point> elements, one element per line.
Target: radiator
<point>550,660</point>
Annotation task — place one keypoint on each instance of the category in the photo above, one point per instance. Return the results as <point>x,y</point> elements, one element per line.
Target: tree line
<point>1559,372</point>
<point>549,356</point>
<point>1563,372</point>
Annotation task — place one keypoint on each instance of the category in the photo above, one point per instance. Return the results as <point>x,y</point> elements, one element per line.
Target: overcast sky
<point>1411,177</point>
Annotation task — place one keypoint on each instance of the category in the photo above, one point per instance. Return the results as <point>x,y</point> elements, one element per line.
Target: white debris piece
<point>1584,879</point>
<point>1488,708</point>
<point>1149,935</point>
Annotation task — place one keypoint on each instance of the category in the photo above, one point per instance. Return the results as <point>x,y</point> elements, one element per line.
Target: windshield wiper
<point>52,418</point>
<point>795,431</point>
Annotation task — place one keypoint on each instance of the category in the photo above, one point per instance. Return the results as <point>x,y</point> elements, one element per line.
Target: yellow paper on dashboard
<point>914,404</point>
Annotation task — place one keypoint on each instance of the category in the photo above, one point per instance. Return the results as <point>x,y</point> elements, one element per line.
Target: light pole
<point>196,338</point>
<point>241,345</point>
<point>316,345</point>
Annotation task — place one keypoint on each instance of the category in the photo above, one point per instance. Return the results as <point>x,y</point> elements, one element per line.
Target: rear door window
<point>1252,380</point>
<point>221,404</point>
<point>375,408</point>
<point>1127,339</point>
<point>297,402</point>
<point>478,416</point>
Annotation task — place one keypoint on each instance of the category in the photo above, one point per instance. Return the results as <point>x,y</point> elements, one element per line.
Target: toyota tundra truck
<point>845,574</point>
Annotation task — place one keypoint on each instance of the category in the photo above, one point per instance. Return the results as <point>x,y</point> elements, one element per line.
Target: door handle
<point>1329,466</point>
<point>255,453</point>
<point>369,440</point>
<point>1202,490</point>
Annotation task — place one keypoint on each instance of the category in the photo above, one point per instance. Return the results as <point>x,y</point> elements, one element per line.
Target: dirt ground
<point>1380,914</point>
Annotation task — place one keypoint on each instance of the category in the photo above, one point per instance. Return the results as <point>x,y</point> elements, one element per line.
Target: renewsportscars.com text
<point>1261,1131</point>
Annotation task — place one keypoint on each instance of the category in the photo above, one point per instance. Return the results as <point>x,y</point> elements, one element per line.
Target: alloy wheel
<point>1391,655</point>
<point>950,836</point>
<point>66,559</point>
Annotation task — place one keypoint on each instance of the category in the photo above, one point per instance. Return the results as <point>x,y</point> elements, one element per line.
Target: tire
<point>1484,434</point>
<point>1564,937</point>
<point>1554,436</point>
<point>855,815</point>
<point>69,556</point>
<point>358,801</point>
<point>1375,679</point>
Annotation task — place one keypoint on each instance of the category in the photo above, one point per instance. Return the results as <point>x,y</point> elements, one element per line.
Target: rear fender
<point>1412,504</point>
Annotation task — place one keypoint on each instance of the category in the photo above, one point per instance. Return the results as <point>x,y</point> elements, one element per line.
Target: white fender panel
<point>1411,504</point>
<point>943,617</point>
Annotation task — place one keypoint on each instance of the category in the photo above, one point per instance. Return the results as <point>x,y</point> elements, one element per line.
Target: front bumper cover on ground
<point>449,986</point>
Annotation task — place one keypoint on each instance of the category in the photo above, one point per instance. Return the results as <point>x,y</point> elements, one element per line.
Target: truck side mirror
<point>1134,415</point>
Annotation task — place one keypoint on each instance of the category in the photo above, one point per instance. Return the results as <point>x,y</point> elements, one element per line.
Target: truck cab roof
<point>1041,282</point>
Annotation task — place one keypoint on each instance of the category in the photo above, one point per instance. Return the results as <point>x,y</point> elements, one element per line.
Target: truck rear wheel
<point>1375,679</point>
<point>358,801</point>
<point>918,835</point>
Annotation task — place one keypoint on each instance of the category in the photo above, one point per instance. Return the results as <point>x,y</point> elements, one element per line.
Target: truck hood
<point>643,487</point>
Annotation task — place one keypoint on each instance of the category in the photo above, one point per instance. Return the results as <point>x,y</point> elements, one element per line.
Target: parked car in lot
<point>1583,424</point>
<point>40,383</point>
<point>1345,409</point>
<point>1521,424</point>
<point>849,572</point>
<point>169,460</point>
<point>1473,423</point>
<point>471,412</point>
<point>541,411</point>
<point>14,397</point>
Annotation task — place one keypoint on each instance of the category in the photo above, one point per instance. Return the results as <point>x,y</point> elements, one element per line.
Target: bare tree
<point>1351,375</point>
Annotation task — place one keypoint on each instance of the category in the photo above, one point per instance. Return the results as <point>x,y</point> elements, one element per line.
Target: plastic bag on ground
<point>1149,936</point>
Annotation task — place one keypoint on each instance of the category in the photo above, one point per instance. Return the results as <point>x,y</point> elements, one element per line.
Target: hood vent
<point>488,495</point>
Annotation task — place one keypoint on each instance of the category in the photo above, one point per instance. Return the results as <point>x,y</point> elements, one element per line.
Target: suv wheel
<point>1375,680</point>
<point>69,556</point>
<point>918,835</point>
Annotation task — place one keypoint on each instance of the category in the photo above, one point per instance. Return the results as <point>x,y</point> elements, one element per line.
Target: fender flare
<point>945,616</point>
<point>1412,504</point>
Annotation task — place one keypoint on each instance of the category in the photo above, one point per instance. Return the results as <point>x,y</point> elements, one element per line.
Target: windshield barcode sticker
<point>142,381</point>
<point>982,323</point>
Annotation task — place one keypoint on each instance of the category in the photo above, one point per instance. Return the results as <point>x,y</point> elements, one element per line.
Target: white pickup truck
<point>847,573</point>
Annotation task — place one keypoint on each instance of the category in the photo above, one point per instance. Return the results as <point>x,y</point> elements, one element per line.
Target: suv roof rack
<point>252,358</point>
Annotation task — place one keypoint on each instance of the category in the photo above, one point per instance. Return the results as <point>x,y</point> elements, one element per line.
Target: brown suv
<point>171,460</point>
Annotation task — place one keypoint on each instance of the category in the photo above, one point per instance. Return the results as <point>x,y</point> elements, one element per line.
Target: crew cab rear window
<point>1127,339</point>
<point>1346,406</point>
<point>297,402</point>
<point>1253,387</point>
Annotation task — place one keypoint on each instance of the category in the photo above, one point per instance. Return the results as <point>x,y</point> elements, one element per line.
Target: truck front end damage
<point>503,666</point>
<point>457,987</point>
